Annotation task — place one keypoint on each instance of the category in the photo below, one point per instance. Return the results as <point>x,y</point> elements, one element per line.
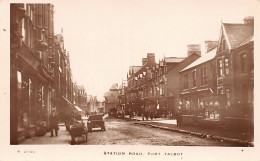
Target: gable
<point>223,43</point>
<point>232,35</point>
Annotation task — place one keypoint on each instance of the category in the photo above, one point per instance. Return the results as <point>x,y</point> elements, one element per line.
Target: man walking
<point>179,118</point>
<point>54,122</point>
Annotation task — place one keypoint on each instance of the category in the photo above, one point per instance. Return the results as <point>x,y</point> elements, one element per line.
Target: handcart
<point>78,129</point>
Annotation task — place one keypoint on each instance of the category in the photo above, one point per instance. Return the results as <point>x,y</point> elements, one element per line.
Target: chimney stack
<point>150,59</point>
<point>144,61</point>
<point>210,45</point>
<point>249,20</point>
<point>194,49</point>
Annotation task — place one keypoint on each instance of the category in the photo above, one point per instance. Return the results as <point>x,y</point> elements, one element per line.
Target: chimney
<point>150,59</point>
<point>210,45</point>
<point>249,20</point>
<point>194,49</point>
<point>144,60</point>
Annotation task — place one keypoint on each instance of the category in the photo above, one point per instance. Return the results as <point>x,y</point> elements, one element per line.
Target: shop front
<point>203,108</point>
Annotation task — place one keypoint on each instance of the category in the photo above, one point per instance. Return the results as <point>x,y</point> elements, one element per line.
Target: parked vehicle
<point>95,121</point>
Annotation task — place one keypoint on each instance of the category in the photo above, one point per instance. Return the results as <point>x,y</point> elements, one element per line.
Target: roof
<point>78,108</point>
<point>136,68</point>
<point>250,39</point>
<point>237,33</point>
<point>114,87</point>
<point>58,38</point>
<point>173,60</point>
<point>204,58</point>
<point>81,87</point>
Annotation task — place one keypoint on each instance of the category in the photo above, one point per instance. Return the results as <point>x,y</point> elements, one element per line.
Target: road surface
<point>122,132</point>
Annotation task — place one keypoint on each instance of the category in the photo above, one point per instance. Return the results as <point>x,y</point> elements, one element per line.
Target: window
<point>186,85</point>
<point>23,29</point>
<point>194,78</point>
<point>243,63</point>
<point>226,64</point>
<point>220,91</point>
<point>220,68</point>
<point>19,99</point>
<point>203,76</point>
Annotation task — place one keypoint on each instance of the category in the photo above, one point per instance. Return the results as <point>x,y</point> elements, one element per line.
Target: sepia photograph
<point>129,79</point>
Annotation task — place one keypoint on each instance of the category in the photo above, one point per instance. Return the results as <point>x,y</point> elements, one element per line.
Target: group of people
<point>148,114</point>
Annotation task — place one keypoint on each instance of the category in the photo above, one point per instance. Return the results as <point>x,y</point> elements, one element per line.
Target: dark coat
<point>179,116</point>
<point>54,120</point>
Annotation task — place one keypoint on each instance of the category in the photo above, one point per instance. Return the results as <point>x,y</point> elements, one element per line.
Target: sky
<point>105,37</point>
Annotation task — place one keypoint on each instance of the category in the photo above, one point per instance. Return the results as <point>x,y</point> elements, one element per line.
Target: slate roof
<point>204,58</point>
<point>250,39</point>
<point>237,33</point>
<point>134,69</point>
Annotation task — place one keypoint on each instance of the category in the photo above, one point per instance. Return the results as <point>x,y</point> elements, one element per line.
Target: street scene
<point>123,75</point>
<point>122,132</point>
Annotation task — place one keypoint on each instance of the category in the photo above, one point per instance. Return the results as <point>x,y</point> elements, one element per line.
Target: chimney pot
<point>211,45</point>
<point>249,20</point>
<point>194,49</point>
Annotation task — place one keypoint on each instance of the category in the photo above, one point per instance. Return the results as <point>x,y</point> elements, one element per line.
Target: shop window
<point>220,91</point>
<point>19,99</point>
<point>243,63</point>
<point>187,103</point>
<point>194,78</point>
<point>226,63</point>
<point>30,97</point>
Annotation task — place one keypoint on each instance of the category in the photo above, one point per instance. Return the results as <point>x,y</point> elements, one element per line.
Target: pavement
<point>239,138</point>
<point>62,138</point>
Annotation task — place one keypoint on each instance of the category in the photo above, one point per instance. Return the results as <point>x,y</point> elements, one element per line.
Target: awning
<point>78,108</point>
<point>69,104</point>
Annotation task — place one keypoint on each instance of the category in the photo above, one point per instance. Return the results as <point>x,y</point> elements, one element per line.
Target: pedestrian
<point>54,122</point>
<point>179,118</point>
<point>146,114</point>
<point>151,114</point>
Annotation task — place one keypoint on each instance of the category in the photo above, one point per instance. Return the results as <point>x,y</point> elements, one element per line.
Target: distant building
<point>111,98</point>
<point>122,96</point>
<point>155,87</point>
<point>169,80</point>
<point>63,78</point>
<point>80,96</point>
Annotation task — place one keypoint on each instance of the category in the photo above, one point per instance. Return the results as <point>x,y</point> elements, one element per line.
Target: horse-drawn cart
<point>78,129</point>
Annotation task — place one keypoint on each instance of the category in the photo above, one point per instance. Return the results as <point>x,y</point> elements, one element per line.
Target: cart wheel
<point>73,140</point>
<point>86,137</point>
